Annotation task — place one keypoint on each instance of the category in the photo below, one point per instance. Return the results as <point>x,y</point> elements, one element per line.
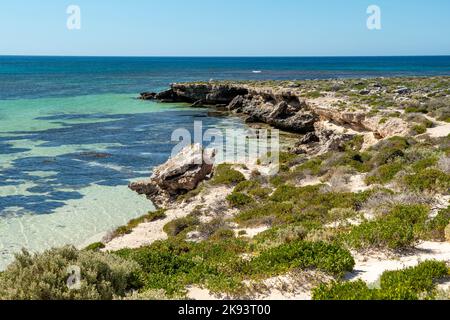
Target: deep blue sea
<point>36,77</point>
<point>73,134</point>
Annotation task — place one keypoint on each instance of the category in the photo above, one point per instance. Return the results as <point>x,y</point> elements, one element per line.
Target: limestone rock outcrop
<point>180,174</point>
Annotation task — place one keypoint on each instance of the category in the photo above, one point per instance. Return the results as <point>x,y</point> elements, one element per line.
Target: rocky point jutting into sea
<point>325,122</point>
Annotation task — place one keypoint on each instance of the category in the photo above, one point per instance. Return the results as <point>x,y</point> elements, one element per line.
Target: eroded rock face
<point>283,109</point>
<point>178,175</point>
<point>325,138</point>
<point>286,109</point>
<point>209,94</point>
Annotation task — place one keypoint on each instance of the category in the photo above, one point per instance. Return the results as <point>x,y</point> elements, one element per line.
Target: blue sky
<point>225,28</point>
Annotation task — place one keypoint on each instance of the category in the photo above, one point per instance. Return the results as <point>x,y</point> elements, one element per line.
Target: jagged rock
<point>279,110</point>
<point>178,175</point>
<point>386,129</point>
<point>300,123</point>
<point>148,95</point>
<point>327,137</point>
<point>236,104</point>
<point>309,138</point>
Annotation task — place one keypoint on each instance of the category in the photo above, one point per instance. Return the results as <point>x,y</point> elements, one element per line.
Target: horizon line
<point>218,56</point>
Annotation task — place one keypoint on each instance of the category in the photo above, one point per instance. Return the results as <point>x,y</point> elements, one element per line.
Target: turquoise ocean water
<point>73,134</point>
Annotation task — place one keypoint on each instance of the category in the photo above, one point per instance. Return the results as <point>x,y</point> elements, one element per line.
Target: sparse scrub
<point>398,229</point>
<point>44,276</point>
<point>225,174</point>
<point>409,284</point>
<point>175,227</point>
<point>428,180</point>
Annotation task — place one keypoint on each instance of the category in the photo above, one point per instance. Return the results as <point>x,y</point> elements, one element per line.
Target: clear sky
<point>225,28</point>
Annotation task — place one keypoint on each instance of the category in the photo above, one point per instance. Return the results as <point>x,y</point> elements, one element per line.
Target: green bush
<point>411,283</point>
<point>408,284</point>
<point>172,265</point>
<point>330,258</point>
<point>354,290</point>
<point>265,210</point>
<point>419,129</point>
<point>246,185</point>
<point>260,193</point>
<point>44,276</point>
<point>432,180</point>
<point>434,229</point>
<point>238,199</point>
<point>95,246</point>
<point>175,227</point>
<point>312,166</point>
<point>223,234</point>
<point>400,228</point>
<point>224,174</point>
<point>385,173</point>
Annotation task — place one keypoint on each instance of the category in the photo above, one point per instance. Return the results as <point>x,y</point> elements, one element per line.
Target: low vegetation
<point>305,226</point>
<point>46,276</point>
<point>409,284</point>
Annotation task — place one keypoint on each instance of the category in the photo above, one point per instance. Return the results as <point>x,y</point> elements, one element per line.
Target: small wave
<point>256,71</point>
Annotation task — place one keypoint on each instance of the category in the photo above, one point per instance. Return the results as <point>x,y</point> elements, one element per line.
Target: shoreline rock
<point>180,174</point>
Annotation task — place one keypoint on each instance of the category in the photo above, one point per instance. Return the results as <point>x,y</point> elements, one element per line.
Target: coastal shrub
<point>95,246</point>
<point>353,159</point>
<point>387,151</point>
<point>434,229</point>
<point>424,163</point>
<point>431,180</point>
<point>208,229</point>
<point>290,204</point>
<point>419,129</point>
<point>264,210</point>
<point>238,199</point>
<point>279,235</point>
<point>352,290</point>
<point>412,283</point>
<point>150,217</point>
<point>223,234</point>
<point>330,258</point>
<point>172,265</point>
<point>260,193</point>
<point>44,276</point>
<point>385,173</point>
<point>177,226</point>
<point>409,284</point>
<point>225,174</point>
<point>312,166</point>
<point>395,230</point>
<point>246,185</point>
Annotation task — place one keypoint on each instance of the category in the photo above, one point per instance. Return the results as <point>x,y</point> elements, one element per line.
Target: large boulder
<point>180,174</point>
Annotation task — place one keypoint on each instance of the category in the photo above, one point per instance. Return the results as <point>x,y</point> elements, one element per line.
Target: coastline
<point>344,125</point>
<point>330,184</point>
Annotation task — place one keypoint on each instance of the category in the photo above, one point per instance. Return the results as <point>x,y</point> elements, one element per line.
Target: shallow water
<point>66,164</point>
